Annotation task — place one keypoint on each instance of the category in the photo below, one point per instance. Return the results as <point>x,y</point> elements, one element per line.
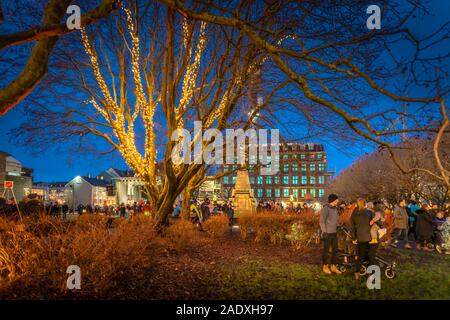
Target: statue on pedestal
<point>242,196</point>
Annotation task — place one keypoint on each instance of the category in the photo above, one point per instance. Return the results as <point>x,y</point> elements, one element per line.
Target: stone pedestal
<point>242,197</point>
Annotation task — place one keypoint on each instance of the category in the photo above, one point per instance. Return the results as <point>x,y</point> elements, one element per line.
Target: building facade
<point>54,192</point>
<point>123,185</point>
<point>12,170</point>
<point>211,190</point>
<point>87,191</point>
<point>302,175</point>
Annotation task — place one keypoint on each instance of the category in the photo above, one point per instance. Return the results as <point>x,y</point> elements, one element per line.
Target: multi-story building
<point>302,175</point>
<point>124,185</point>
<point>54,192</point>
<point>12,170</point>
<point>210,189</point>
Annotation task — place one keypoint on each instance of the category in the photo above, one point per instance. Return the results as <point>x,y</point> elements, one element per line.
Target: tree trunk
<point>185,206</point>
<point>165,208</point>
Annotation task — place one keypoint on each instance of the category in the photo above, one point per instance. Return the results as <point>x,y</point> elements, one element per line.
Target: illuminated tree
<point>157,74</point>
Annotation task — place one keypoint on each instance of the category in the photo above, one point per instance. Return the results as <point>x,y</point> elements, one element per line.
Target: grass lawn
<point>419,276</point>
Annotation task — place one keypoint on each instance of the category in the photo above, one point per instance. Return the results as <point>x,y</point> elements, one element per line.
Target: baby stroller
<point>348,256</point>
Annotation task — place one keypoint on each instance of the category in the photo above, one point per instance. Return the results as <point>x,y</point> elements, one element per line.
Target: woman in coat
<point>360,224</point>
<point>401,221</point>
<point>424,228</point>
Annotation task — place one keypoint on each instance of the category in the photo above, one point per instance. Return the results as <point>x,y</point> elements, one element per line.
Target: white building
<point>88,191</point>
<point>126,187</point>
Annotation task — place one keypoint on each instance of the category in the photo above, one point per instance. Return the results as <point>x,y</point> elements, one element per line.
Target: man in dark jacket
<point>424,228</point>
<point>328,225</point>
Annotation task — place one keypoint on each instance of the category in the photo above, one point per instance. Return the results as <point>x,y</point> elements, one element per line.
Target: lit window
<point>312,167</point>
<point>321,179</point>
<point>304,180</point>
<point>295,193</point>
<point>321,166</point>
<point>295,167</point>
<point>285,193</point>
<point>260,180</point>
<point>277,193</point>
<point>312,180</point>
<point>225,180</point>
<point>321,193</point>
<point>286,167</point>
<point>303,166</point>
<point>286,180</point>
<point>277,180</point>
<point>319,156</point>
<point>268,193</point>
<point>294,179</point>
<point>234,179</point>
<point>285,156</point>
<point>252,180</point>
<point>303,193</point>
<point>303,156</point>
<point>260,193</point>
<point>313,192</point>
<point>268,180</point>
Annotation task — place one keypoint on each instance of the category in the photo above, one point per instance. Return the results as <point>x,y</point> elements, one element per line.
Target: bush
<point>217,226</point>
<point>277,228</point>
<point>265,226</point>
<point>34,261</point>
<point>182,234</point>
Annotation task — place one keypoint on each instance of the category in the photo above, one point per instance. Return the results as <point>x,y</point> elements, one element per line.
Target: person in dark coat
<point>424,228</point>
<point>122,210</point>
<point>205,209</point>
<point>361,222</point>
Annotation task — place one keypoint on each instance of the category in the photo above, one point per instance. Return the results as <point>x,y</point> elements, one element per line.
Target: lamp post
<point>73,198</point>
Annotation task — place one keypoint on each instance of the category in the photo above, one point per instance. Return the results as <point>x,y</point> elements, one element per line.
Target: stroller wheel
<point>342,269</point>
<point>363,270</point>
<point>389,273</point>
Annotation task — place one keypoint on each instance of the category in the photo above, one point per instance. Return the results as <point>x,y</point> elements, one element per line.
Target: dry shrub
<point>266,226</point>
<point>217,226</point>
<point>276,228</point>
<point>182,234</point>
<point>33,263</point>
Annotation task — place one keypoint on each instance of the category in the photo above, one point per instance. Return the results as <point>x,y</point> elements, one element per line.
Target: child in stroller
<point>442,233</point>
<point>347,252</point>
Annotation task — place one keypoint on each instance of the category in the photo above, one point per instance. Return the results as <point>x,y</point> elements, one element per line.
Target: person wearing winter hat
<point>328,226</point>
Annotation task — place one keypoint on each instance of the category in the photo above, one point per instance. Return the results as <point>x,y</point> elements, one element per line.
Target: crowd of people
<point>201,211</point>
<point>370,223</point>
<point>123,210</point>
<point>280,207</point>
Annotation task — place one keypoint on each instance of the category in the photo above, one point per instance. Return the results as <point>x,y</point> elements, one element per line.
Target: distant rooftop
<point>95,182</point>
<point>124,173</point>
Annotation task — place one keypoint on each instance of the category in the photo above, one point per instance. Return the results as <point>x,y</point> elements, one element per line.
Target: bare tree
<point>45,36</point>
<point>339,66</point>
<point>374,177</point>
